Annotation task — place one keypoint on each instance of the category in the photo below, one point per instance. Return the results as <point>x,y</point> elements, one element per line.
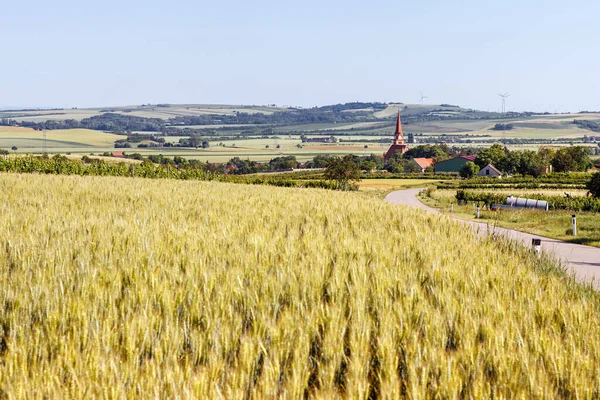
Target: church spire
<point>398,135</point>
<point>398,145</point>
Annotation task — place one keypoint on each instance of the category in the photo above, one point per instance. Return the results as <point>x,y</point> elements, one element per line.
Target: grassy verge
<point>554,224</point>
<point>380,188</point>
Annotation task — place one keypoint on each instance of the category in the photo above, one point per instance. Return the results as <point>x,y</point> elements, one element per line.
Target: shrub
<point>594,185</point>
<point>469,170</point>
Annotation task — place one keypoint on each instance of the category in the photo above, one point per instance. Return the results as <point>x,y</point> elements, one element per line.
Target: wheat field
<point>137,288</point>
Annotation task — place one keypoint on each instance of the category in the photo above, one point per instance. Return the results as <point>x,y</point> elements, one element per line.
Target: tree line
<point>589,125</point>
<point>529,162</point>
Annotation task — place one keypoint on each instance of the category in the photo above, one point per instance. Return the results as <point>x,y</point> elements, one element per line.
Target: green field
<point>171,289</point>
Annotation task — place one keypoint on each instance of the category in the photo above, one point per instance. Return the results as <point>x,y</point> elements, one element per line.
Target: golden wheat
<point>132,288</point>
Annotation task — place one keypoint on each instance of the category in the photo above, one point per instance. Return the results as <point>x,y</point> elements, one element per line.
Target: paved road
<point>583,261</point>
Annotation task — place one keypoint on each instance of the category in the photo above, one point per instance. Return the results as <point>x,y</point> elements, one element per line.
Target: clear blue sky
<point>76,53</point>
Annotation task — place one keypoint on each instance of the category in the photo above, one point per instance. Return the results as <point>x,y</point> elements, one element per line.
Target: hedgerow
<point>575,203</point>
<point>59,165</point>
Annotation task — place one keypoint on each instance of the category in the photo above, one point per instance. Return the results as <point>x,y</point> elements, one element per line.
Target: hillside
<point>261,133</point>
<point>131,288</point>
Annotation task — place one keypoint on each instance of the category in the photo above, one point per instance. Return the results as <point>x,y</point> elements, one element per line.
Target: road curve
<point>583,261</point>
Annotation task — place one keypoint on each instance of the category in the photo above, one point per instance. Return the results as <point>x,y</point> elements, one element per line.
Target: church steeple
<point>398,136</point>
<point>398,145</point>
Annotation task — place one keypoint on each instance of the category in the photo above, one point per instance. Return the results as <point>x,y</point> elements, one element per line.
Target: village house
<point>490,171</point>
<point>423,163</point>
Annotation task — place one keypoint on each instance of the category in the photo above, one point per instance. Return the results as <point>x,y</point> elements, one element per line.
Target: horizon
<point>70,54</point>
<point>21,108</point>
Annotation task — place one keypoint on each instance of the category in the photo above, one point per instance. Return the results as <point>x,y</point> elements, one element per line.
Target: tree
<point>594,185</point>
<point>396,164</point>
<point>427,151</point>
<point>242,166</point>
<point>342,170</point>
<point>4,153</point>
<point>469,170</point>
<point>285,162</point>
<point>522,162</point>
<point>319,161</point>
<point>574,158</point>
<point>194,141</point>
<point>180,161</point>
<point>503,127</point>
<point>205,144</point>
<point>378,160</point>
<point>546,154</point>
<point>367,165</point>
<point>14,148</point>
<point>494,155</point>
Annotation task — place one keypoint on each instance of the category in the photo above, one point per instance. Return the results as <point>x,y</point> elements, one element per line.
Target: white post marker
<point>574,222</point>
<point>478,210</point>
<point>537,246</point>
<point>452,207</point>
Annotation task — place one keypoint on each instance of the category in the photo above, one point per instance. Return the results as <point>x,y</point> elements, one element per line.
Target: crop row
<point>575,203</point>
<point>63,166</point>
<point>467,185</point>
<point>556,177</point>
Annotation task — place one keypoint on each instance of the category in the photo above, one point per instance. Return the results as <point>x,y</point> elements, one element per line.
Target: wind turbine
<point>504,96</point>
<point>423,97</point>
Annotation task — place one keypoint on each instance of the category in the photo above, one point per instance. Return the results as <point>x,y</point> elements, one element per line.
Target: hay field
<point>132,288</point>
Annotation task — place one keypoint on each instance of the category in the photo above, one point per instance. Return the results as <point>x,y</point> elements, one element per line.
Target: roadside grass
<point>380,188</point>
<point>386,184</point>
<point>555,224</point>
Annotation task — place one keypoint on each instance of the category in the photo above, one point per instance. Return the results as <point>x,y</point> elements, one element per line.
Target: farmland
<point>137,288</point>
<point>146,111</point>
<point>368,126</point>
<point>29,140</point>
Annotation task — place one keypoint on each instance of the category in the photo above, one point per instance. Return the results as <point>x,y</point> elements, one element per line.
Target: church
<point>398,144</point>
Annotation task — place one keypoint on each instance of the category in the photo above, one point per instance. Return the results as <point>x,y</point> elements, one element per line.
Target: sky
<point>64,53</point>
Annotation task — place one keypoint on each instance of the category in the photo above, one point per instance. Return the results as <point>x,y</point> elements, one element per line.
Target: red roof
<point>117,154</point>
<point>424,162</point>
<point>470,158</point>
